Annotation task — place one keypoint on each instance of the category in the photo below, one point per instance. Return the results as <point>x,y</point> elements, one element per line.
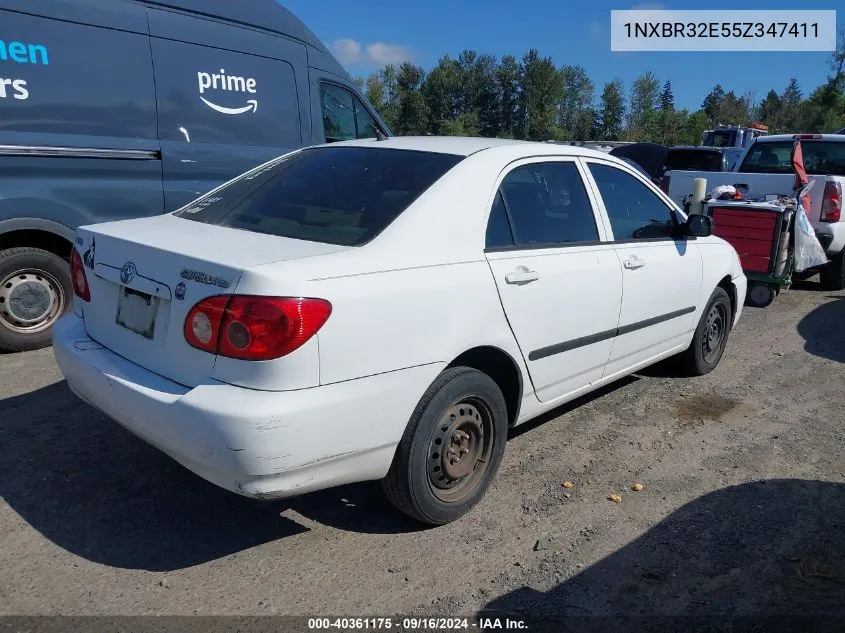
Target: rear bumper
<point>831,235</point>
<point>256,443</point>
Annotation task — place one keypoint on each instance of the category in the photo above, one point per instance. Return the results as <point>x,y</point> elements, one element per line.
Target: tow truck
<point>735,139</point>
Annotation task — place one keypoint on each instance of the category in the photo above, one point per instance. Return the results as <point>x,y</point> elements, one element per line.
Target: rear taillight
<point>78,278</point>
<point>252,327</point>
<point>832,202</point>
<point>202,325</point>
<point>664,183</point>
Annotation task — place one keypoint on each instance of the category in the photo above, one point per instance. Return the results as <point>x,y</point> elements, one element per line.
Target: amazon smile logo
<point>227,83</point>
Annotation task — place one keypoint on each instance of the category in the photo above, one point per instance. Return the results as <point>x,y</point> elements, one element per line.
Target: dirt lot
<point>742,509</point>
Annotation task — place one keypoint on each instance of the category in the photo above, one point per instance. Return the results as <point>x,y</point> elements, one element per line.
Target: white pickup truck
<point>766,169</point>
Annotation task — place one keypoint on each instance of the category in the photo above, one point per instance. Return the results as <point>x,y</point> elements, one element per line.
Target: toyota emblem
<point>127,273</point>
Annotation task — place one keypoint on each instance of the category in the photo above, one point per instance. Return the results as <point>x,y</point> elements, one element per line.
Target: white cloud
<point>347,50</point>
<point>350,51</point>
<point>382,53</point>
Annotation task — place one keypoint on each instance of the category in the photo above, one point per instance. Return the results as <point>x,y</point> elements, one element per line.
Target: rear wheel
<point>832,274</point>
<point>711,335</point>
<point>451,449</point>
<point>35,290</point>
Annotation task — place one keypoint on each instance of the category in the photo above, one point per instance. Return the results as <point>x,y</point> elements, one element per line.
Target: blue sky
<point>364,33</point>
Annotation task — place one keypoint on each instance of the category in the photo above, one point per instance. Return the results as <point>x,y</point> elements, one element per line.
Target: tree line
<point>477,94</point>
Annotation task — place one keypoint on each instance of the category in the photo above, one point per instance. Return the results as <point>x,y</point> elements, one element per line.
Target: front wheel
<point>711,335</point>
<point>451,449</point>
<point>35,290</point>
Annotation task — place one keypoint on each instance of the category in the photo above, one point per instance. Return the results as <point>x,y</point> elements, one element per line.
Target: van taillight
<point>832,202</point>
<point>250,327</point>
<point>664,183</point>
<point>78,278</point>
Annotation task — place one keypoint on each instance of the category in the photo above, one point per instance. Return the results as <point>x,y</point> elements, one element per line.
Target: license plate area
<point>136,311</point>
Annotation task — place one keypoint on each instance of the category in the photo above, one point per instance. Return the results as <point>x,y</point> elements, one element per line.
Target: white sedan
<point>387,309</point>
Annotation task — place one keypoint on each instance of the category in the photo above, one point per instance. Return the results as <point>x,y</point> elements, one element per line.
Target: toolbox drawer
<point>754,234</point>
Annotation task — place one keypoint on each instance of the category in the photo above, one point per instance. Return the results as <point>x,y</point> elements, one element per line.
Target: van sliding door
<point>77,116</point>
<point>227,100</point>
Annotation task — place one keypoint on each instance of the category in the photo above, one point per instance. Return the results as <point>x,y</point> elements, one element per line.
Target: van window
<point>210,95</point>
<point>56,79</point>
<point>692,159</point>
<point>344,116</point>
<point>335,194</point>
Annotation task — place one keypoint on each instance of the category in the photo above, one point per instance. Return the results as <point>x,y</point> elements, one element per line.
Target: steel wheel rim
<point>30,300</point>
<point>715,328</point>
<point>460,449</point>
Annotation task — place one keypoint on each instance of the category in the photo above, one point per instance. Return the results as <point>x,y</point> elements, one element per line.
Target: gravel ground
<point>742,509</point>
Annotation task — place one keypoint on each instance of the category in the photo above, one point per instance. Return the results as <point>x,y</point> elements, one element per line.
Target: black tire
<point>760,295</point>
<point>705,351</point>
<point>832,274</point>
<point>418,483</point>
<point>44,271</point>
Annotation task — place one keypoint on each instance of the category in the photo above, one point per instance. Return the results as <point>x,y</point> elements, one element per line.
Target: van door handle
<point>633,262</point>
<point>521,276</point>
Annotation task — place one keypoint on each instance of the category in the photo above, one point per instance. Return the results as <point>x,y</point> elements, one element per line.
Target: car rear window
<point>334,195</point>
<point>693,160</point>
<point>820,158</point>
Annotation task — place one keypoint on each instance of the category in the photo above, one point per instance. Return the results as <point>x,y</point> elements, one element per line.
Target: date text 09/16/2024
<point>415,624</point>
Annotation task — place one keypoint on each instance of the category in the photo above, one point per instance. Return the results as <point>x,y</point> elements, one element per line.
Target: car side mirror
<point>699,226</point>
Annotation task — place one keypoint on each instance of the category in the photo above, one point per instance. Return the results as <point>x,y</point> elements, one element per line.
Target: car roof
<point>774,138</point>
<point>465,146</point>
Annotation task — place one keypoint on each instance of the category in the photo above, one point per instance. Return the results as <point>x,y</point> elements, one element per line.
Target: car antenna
<point>380,136</point>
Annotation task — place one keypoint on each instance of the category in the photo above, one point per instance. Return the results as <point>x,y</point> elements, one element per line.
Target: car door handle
<point>521,276</point>
<point>632,263</point>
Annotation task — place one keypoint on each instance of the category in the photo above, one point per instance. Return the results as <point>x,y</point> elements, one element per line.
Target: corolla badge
<point>205,278</point>
<point>180,290</point>
<point>127,273</point>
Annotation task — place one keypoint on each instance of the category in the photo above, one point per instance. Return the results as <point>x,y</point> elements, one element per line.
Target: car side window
<point>548,204</point>
<point>499,232</point>
<point>634,210</point>
<point>344,115</point>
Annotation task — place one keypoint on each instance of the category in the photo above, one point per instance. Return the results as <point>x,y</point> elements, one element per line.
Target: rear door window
<point>499,233</point>
<point>335,195</point>
<point>344,115</point>
<point>211,95</point>
<point>548,204</point>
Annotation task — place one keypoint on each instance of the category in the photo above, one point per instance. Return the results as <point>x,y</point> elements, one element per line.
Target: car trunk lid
<point>145,275</point>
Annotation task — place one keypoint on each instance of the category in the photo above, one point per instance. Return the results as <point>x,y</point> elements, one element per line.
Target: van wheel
<point>711,336</point>
<point>35,290</point>
<point>832,274</point>
<point>451,449</point>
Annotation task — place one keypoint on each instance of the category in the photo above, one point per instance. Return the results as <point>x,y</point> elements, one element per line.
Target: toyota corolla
<point>388,309</point>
